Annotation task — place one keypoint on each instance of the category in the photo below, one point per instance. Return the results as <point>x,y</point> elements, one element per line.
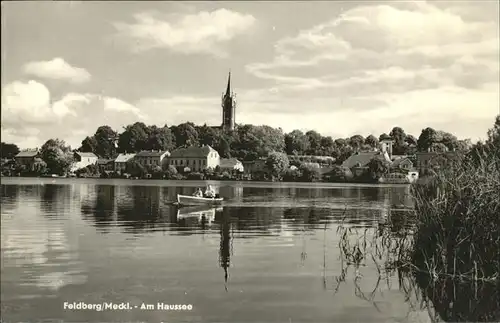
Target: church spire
<point>228,90</point>
<point>228,107</point>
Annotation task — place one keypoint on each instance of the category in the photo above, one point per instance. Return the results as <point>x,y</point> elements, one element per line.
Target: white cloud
<point>193,33</point>
<point>411,64</point>
<point>30,116</point>
<point>384,34</point>
<point>58,69</point>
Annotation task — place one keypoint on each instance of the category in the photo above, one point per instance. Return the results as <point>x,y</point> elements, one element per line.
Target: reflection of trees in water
<point>393,195</point>
<point>372,194</point>
<point>10,196</point>
<point>140,208</point>
<point>234,193</point>
<point>55,199</point>
<point>101,206</point>
<point>313,218</point>
<point>295,192</point>
<point>452,299</point>
<point>259,219</point>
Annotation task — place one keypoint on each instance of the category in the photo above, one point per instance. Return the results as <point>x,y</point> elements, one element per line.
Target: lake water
<point>269,254</point>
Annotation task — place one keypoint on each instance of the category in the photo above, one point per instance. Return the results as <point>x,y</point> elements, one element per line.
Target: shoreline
<point>9,180</point>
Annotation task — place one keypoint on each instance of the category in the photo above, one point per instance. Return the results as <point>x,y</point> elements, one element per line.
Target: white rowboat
<point>194,200</point>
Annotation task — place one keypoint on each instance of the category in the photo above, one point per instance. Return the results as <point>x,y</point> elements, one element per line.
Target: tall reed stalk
<point>448,249</point>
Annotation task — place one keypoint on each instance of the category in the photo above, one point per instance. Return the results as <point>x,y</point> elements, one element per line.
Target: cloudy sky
<point>340,68</point>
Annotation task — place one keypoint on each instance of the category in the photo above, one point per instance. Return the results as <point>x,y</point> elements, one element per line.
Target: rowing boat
<point>195,200</point>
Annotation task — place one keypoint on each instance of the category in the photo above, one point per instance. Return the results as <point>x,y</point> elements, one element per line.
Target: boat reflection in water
<point>203,214</point>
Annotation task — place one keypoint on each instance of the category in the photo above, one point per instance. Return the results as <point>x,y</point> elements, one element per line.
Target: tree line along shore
<point>293,156</point>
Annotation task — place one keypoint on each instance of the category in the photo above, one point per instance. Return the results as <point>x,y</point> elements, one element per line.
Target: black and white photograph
<point>250,161</point>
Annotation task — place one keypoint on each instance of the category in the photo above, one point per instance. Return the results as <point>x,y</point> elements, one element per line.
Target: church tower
<point>228,107</point>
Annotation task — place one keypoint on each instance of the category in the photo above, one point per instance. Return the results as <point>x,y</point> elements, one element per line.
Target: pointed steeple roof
<point>228,90</point>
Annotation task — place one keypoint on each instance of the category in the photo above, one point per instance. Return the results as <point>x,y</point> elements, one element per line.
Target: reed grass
<point>457,230</point>
<point>447,251</point>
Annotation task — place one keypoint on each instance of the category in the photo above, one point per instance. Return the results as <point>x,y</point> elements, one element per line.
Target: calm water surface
<point>269,254</point>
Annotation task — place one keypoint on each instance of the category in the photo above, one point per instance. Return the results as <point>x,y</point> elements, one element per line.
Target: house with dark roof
<point>149,158</point>
<point>83,159</point>
<point>27,157</point>
<point>231,164</point>
<point>120,163</point>
<point>403,163</point>
<point>358,162</point>
<point>195,158</point>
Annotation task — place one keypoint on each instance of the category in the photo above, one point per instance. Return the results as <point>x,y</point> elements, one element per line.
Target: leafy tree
<point>90,170</point>
<point>371,141</point>
<point>447,139</point>
<point>89,145</point>
<point>438,147</point>
<point>399,137</point>
<point>134,138</point>
<point>135,169</point>
<point>378,167</point>
<point>39,166</point>
<point>160,139</point>
<point>106,139</point>
<point>57,155</point>
<point>340,142</point>
<point>343,153</point>
<point>155,171</point>
<point>277,163</point>
<point>314,142</point>
<point>426,139</point>
<point>327,146</point>
<point>185,134</point>
<point>255,141</point>
<point>356,141</point>
<point>171,172</point>
<point>339,174</point>
<point>292,175</point>
<point>296,143</point>
<point>8,150</point>
<point>411,140</point>
<point>208,135</point>
<point>309,173</point>
<point>20,168</point>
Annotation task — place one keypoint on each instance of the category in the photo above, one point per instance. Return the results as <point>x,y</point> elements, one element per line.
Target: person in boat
<point>198,192</point>
<point>209,192</point>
